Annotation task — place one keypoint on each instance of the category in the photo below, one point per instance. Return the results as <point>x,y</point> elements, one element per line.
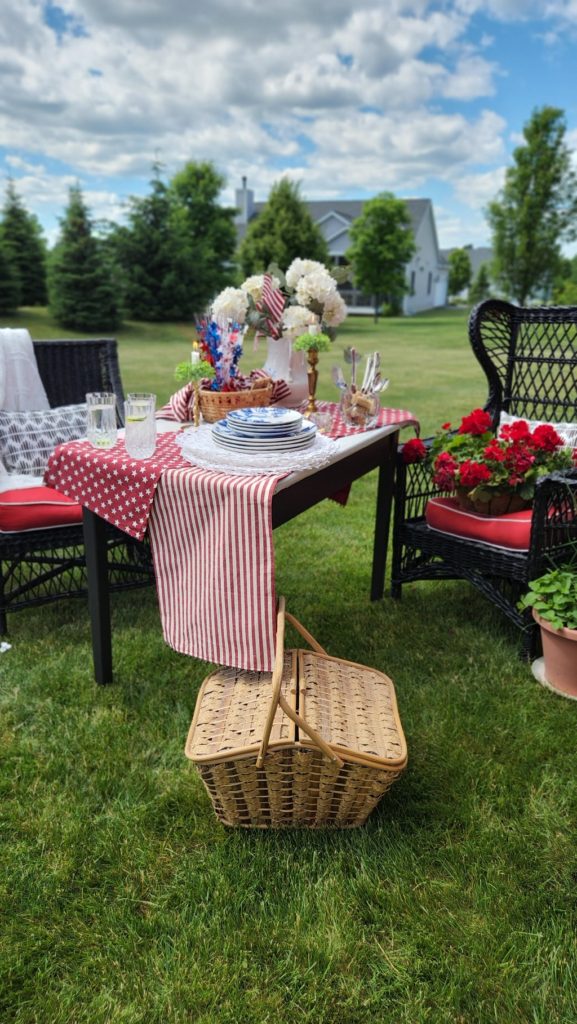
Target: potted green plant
<point>553,601</point>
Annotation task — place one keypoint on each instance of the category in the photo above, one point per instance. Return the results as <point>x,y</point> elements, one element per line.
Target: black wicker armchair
<point>38,566</point>
<point>530,360</point>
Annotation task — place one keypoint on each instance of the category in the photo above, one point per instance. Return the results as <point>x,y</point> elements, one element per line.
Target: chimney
<point>244,204</point>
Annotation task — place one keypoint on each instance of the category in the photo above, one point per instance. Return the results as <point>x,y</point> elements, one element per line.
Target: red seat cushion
<point>35,508</point>
<point>511,531</point>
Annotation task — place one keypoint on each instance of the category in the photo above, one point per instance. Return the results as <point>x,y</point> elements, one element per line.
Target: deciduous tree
<point>283,231</point>
<point>382,245</point>
<point>481,286</point>
<point>536,209</point>
<point>459,271</point>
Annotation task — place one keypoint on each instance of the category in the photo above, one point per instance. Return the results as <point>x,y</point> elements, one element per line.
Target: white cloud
<point>382,94</point>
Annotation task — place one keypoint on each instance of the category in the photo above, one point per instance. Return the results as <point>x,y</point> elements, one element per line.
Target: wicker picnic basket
<point>215,405</point>
<point>314,745</point>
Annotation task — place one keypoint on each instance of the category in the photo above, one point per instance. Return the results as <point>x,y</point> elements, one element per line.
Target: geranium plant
<point>479,466</point>
<point>277,304</point>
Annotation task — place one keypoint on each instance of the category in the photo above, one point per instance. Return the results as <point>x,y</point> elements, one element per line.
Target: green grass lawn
<point>125,902</point>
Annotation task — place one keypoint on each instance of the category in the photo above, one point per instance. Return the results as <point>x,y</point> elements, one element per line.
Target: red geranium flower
<point>546,438</point>
<point>477,422</point>
<point>414,450</point>
<point>445,469</point>
<point>472,474</point>
<point>516,431</point>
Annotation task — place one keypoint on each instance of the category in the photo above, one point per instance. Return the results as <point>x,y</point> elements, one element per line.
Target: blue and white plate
<point>264,422</point>
<point>224,436</point>
<point>271,416</point>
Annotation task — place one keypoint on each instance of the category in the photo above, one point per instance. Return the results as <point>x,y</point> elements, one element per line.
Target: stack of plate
<point>264,430</point>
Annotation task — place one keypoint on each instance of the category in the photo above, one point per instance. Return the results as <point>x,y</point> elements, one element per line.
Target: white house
<point>426,274</point>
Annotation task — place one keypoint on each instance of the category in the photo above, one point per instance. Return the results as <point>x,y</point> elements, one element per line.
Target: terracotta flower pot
<point>560,656</point>
<point>499,504</point>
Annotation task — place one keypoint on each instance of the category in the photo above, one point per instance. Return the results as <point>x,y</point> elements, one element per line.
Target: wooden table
<point>354,457</point>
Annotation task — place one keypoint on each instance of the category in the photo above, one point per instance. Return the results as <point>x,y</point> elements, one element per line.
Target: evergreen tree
<point>82,291</point>
<point>145,253</point>
<point>9,281</point>
<point>382,245</point>
<point>176,251</point>
<point>204,236</point>
<point>283,231</point>
<point>459,271</point>
<point>536,209</point>
<point>481,287</point>
<point>21,231</point>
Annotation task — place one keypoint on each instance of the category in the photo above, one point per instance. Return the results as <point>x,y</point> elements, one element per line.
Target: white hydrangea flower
<point>253,286</point>
<point>232,303</point>
<point>299,268</point>
<point>335,310</point>
<point>296,319</point>
<point>315,287</point>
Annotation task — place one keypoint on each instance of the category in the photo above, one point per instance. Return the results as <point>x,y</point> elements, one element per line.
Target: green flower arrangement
<point>306,342</point>
<point>186,373</point>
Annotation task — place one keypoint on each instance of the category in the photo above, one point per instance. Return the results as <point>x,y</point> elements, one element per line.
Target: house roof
<point>350,209</point>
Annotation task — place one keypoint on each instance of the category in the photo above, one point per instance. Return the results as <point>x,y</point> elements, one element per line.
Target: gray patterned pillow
<point>27,439</point>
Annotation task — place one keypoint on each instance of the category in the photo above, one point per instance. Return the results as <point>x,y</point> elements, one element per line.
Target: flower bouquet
<point>282,307</point>
<point>277,304</point>
<point>487,473</point>
<point>213,371</point>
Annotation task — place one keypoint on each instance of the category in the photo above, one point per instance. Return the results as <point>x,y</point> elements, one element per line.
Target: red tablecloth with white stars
<point>210,534</point>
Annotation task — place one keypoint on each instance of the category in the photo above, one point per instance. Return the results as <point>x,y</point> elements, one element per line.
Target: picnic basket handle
<point>277,697</point>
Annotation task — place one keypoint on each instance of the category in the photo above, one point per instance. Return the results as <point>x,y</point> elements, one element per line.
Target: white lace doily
<point>198,447</point>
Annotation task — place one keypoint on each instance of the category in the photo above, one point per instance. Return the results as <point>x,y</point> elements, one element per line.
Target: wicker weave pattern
<point>352,707</point>
<point>215,405</point>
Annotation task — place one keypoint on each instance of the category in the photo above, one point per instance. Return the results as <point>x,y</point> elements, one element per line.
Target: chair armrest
<point>414,485</point>
<point>554,521</point>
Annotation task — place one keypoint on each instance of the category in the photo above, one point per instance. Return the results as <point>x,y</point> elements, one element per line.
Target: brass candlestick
<point>313,376</point>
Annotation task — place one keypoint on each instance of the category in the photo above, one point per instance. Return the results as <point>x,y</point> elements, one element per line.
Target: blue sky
<point>424,99</point>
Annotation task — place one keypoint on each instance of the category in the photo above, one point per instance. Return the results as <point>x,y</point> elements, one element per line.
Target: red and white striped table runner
<point>212,543</point>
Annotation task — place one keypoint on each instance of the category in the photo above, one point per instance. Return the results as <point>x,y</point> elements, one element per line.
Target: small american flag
<point>272,303</point>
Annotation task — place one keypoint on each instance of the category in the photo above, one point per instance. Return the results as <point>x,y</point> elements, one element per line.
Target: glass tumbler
<point>101,419</point>
<point>140,425</point>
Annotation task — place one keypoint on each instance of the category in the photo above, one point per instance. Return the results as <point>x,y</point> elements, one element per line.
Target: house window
<point>412,282</point>
<point>429,283</point>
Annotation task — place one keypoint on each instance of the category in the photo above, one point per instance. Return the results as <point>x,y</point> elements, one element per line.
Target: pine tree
<point>145,252</point>
<point>176,251</point>
<point>283,231</point>
<point>21,231</point>
<point>82,291</point>
<point>9,281</point>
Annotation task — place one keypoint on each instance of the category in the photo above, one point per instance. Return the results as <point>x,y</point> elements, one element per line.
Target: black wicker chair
<point>529,357</point>
<point>44,565</point>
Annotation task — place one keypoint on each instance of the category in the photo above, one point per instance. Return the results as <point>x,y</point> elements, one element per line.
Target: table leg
<point>385,489</point>
<point>95,548</point>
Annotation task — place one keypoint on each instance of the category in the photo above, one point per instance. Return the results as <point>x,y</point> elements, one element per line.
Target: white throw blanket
<point>21,389</point>
<point>20,385</point>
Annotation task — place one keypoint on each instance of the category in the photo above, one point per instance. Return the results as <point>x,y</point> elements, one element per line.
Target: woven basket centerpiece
<point>314,745</point>
<point>215,405</point>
